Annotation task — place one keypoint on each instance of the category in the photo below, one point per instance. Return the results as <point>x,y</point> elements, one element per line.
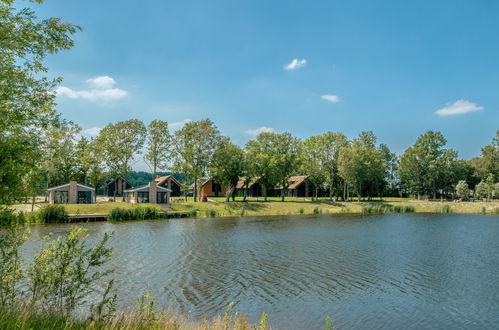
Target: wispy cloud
<point>179,124</point>
<point>92,131</point>
<point>101,89</point>
<point>458,108</point>
<point>259,130</point>
<point>295,64</point>
<point>331,98</point>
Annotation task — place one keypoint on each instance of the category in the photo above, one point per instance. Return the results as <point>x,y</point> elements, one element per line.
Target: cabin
<point>71,193</point>
<point>298,186</point>
<point>171,183</point>
<point>254,189</point>
<point>116,186</point>
<point>210,188</point>
<point>149,193</point>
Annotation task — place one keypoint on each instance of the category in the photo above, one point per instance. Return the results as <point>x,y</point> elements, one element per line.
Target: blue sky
<point>300,66</point>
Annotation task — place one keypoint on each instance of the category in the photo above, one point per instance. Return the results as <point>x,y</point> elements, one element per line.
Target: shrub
<point>302,210</point>
<point>53,214</point>
<point>211,213</point>
<point>317,210</point>
<point>119,214</point>
<point>193,213</point>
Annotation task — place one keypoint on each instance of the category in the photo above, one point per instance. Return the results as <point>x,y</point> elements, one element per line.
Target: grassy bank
<point>220,209</point>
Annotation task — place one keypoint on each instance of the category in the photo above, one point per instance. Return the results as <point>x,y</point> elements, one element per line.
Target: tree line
<point>335,166</point>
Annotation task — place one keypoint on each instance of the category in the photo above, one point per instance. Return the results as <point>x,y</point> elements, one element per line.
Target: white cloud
<point>295,64</point>
<point>101,89</point>
<point>179,124</point>
<point>102,82</point>
<point>92,131</point>
<point>331,98</point>
<point>458,108</point>
<point>259,130</point>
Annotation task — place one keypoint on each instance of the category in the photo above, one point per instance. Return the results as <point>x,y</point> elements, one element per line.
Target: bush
<point>53,214</point>
<point>302,210</point>
<point>317,210</point>
<point>211,213</point>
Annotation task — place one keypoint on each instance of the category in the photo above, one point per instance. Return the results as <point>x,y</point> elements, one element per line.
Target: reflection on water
<point>390,271</point>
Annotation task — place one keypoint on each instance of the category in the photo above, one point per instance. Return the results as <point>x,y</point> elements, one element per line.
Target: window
<point>161,198</point>
<point>84,197</point>
<point>61,197</point>
<point>142,197</point>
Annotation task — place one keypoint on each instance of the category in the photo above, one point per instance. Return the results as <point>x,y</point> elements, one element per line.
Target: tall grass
<point>53,214</point>
<point>385,208</point>
<point>136,213</point>
<point>445,209</point>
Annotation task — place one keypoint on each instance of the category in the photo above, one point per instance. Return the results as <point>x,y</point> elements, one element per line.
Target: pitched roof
<point>67,185</point>
<point>294,182</point>
<point>241,182</point>
<point>146,187</point>
<point>162,179</point>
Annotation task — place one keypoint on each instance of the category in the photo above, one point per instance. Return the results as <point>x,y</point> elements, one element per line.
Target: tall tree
<point>423,166</point>
<point>120,143</point>
<point>274,158</point>
<point>227,165</point>
<point>27,98</point>
<point>194,145</point>
<point>362,166</point>
<point>159,143</point>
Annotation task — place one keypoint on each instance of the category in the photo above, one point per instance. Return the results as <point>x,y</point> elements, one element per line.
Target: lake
<point>411,271</point>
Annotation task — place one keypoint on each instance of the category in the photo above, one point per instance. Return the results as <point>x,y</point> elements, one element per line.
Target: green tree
<point>362,166</point>
<point>159,143</point>
<point>27,100</point>
<point>424,167</point>
<point>488,162</point>
<point>490,186</point>
<point>392,164</point>
<point>274,157</point>
<point>194,145</point>
<point>462,190</point>
<point>481,190</point>
<point>120,143</point>
<point>227,165</point>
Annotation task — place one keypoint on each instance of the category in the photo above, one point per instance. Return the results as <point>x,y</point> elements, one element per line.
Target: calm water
<point>390,271</point>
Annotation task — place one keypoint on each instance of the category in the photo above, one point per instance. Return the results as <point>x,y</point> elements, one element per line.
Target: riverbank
<point>103,211</point>
<point>222,209</point>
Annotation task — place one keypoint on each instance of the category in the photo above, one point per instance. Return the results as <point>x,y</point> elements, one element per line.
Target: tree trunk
<point>264,191</point>
<point>245,191</point>
<point>344,191</point>
<point>33,203</point>
<point>283,190</point>
<point>358,193</point>
<point>331,185</point>
<point>195,192</point>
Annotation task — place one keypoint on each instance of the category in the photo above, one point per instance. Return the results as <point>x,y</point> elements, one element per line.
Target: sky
<point>398,68</point>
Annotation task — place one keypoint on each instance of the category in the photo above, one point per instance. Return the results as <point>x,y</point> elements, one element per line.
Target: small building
<point>71,193</point>
<point>298,186</point>
<point>149,193</point>
<point>252,188</point>
<point>170,182</point>
<point>210,188</point>
<point>116,185</point>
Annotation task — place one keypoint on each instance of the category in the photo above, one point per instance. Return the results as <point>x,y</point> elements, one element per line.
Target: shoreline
<point>80,213</point>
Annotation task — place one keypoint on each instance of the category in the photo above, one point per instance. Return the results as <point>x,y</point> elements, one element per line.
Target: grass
<point>26,318</point>
<point>238,208</point>
<point>218,207</point>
